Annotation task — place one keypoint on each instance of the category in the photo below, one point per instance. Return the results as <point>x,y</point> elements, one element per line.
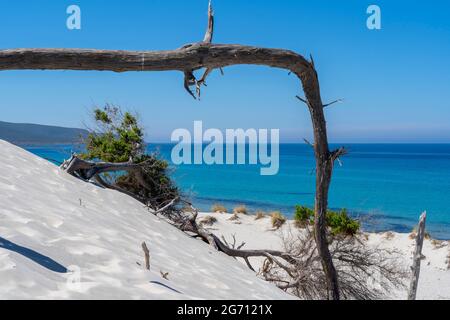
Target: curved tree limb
<point>88,169</point>
<point>106,185</point>
<point>333,102</point>
<point>192,57</point>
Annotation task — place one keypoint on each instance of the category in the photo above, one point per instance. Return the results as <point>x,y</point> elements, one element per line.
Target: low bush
<point>260,215</point>
<point>338,222</point>
<point>234,217</point>
<point>413,234</point>
<point>303,216</point>
<point>240,210</point>
<point>341,223</point>
<point>277,219</point>
<point>218,208</point>
<point>208,220</point>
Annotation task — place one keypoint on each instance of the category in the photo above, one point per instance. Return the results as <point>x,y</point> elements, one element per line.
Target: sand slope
<point>53,225</point>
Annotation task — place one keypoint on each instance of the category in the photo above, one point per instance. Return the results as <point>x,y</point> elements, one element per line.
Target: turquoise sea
<point>386,185</point>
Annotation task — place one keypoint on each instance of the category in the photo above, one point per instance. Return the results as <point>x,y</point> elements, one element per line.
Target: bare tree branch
<point>189,80</point>
<point>333,102</point>
<point>210,31</point>
<point>303,100</point>
<point>308,143</point>
<point>336,154</point>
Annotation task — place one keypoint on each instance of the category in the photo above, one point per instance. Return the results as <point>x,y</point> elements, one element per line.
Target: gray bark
<point>417,258</point>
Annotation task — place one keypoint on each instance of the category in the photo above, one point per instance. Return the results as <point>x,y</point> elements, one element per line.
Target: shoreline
<point>370,223</point>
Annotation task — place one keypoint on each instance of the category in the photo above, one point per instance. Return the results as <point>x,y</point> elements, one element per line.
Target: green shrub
<point>303,216</point>
<point>338,222</point>
<point>341,223</point>
<point>119,137</point>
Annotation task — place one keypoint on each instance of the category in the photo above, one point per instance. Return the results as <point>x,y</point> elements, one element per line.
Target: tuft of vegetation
<point>240,210</point>
<point>413,234</point>
<point>218,208</point>
<point>119,137</point>
<point>234,217</point>
<point>339,223</point>
<point>208,220</point>
<point>389,235</point>
<point>277,219</point>
<point>303,216</point>
<point>187,209</point>
<point>438,244</point>
<point>260,215</point>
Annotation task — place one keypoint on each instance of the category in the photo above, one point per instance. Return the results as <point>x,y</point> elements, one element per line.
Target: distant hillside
<point>24,133</point>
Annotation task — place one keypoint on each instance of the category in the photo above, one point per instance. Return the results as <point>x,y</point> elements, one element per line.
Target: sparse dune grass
<point>260,215</point>
<point>218,208</point>
<point>208,220</point>
<point>240,210</point>
<point>413,234</point>
<point>187,209</point>
<point>438,244</point>
<point>277,219</point>
<point>389,235</point>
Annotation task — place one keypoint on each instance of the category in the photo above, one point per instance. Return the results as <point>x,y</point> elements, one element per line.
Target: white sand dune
<point>434,282</point>
<point>53,225</point>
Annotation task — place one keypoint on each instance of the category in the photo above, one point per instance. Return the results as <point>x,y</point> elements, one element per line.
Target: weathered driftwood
<point>189,224</point>
<point>89,169</point>
<point>417,258</point>
<point>208,56</point>
<point>146,255</point>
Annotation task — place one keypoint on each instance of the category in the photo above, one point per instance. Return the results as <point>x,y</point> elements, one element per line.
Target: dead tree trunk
<point>417,257</point>
<point>208,56</point>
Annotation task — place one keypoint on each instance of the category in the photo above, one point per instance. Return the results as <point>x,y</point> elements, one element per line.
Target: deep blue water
<point>388,185</point>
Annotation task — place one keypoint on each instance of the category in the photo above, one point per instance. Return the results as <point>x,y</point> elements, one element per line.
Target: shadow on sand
<point>165,286</point>
<point>40,259</point>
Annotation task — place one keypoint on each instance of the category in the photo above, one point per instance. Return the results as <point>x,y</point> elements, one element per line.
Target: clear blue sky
<point>395,81</point>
